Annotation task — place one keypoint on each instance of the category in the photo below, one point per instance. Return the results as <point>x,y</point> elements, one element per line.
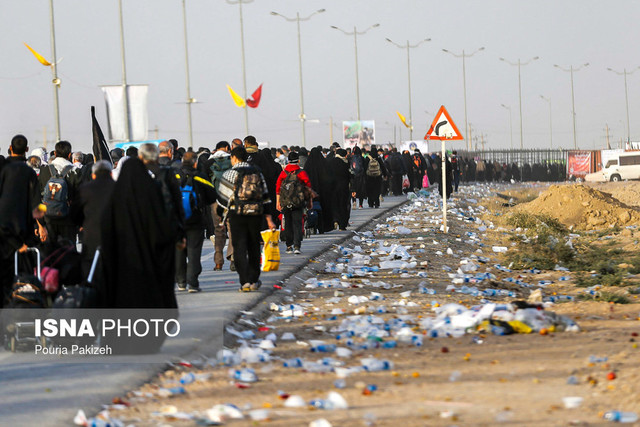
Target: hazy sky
<point>572,32</point>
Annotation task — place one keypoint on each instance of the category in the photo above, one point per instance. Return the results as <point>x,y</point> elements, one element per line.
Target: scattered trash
<point>320,423</point>
<point>333,401</point>
<point>621,417</point>
<point>572,402</point>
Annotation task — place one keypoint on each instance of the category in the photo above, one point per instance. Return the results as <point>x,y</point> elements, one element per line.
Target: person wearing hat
<point>291,189</point>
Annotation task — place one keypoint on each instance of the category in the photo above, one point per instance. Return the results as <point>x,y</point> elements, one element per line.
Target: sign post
<point>444,129</point>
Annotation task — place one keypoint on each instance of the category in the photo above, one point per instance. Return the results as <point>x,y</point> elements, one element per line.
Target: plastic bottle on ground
<point>292,363</point>
<point>621,417</point>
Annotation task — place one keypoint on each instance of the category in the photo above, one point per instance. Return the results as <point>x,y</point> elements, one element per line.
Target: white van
<point>624,166</point>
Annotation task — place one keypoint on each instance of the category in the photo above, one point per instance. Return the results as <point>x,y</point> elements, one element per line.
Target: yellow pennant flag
<point>237,98</point>
<point>402,119</point>
<point>38,56</point>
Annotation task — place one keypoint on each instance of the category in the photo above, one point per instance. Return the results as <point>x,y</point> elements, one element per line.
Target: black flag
<point>100,147</point>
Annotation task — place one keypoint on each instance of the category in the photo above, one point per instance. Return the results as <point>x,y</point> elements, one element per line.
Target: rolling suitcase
<point>26,293</point>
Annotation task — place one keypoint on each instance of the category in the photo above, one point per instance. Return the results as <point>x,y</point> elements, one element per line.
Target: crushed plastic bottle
<point>621,417</point>
<point>333,401</point>
<point>324,348</point>
<point>455,376</point>
<point>340,383</point>
<point>187,378</point>
<point>173,391</point>
<point>246,375</point>
<point>293,363</point>
<point>372,364</point>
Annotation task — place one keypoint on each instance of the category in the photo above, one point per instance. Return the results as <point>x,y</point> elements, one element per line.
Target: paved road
<point>49,394</point>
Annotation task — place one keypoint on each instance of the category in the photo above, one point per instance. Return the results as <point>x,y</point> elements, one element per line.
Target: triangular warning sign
<point>443,127</point>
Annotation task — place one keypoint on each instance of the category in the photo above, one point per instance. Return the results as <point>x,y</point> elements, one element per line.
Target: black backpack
<point>292,191</point>
<point>56,193</point>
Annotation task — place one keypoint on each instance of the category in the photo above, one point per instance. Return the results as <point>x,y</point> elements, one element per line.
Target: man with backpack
<point>244,194</point>
<point>59,183</point>
<point>221,162</point>
<point>291,199</point>
<point>197,192</point>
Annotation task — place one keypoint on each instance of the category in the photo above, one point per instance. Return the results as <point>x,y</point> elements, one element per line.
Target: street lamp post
<point>573,102</point>
<point>125,95</point>
<point>548,100</point>
<point>519,64</point>
<point>626,95</point>
<point>190,100</point>
<point>355,33</point>
<point>297,19</point>
<point>510,123</point>
<point>464,88</point>
<point>244,71</point>
<point>54,70</point>
<point>408,47</point>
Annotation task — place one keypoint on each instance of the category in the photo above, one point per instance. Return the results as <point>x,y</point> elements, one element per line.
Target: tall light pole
<point>548,100</point>
<point>355,33</point>
<point>190,100</point>
<point>127,124</point>
<point>626,95</point>
<point>408,47</point>
<point>519,64</point>
<point>54,70</point>
<point>244,71</point>
<point>510,123</point>
<point>573,101</point>
<point>297,19</point>
<point>464,87</point>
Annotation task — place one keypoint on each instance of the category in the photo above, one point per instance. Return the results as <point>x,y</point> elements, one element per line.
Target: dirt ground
<point>477,379</point>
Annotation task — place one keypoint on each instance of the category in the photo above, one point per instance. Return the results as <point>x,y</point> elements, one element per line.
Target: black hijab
<point>138,251</point>
<point>317,167</point>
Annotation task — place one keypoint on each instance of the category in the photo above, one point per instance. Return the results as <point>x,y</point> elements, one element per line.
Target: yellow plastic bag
<point>270,250</point>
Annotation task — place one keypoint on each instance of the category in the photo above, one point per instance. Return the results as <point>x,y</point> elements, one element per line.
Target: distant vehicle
<point>623,166</point>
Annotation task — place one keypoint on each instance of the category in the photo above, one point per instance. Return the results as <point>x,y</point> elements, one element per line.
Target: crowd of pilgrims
<point>112,208</point>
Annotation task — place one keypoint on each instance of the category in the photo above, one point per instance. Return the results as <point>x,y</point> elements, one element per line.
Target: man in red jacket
<point>292,188</point>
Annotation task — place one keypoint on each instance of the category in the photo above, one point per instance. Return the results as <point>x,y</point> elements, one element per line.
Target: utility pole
<point>519,64</point>
<point>409,46</point>
<point>190,100</point>
<point>125,94</point>
<point>571,70</point>
<point>608,145</point>
<point>297,19</point>
<point>355,33</point>
<point>54,70</point>
<point>244,70</point>
<point>626,96</point>
<point>330,130</point>
<point>464,86</point>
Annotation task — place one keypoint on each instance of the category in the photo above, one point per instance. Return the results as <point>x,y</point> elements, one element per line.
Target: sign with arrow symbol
<point>443,128</point>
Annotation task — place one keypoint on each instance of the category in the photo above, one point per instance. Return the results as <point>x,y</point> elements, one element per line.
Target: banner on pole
<point>358,133</point>
<point>423,146</point>
<point>578,163</point>
<point>138,112</point>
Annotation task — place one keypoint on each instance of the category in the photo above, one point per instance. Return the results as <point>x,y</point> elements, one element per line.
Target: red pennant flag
<point>254,101</point>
